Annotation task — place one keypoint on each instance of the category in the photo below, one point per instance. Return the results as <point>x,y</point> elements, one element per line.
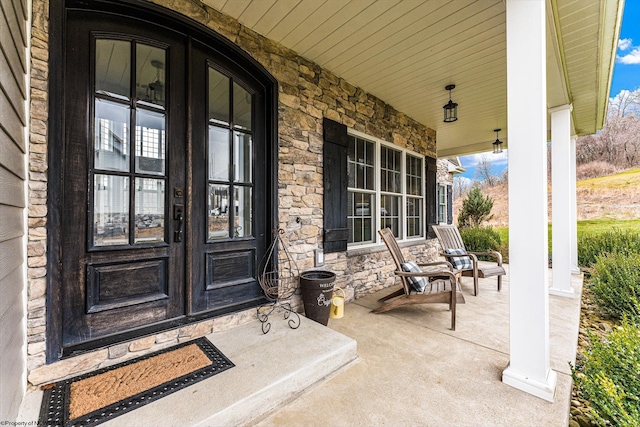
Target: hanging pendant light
<point>497,144</point>
<point>450,108</point>
<point>155,89</point>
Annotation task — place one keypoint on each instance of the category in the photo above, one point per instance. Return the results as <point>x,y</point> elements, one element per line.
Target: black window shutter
<point>449,204</point>
<point>334,153</point>
<point>431,170</point>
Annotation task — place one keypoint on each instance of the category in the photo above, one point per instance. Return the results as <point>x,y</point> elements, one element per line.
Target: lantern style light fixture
<point>450,108</point>
<point>497,144</point>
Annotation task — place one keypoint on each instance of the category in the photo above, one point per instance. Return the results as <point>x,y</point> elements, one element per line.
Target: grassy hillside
<point>604,203</point>
<point>605,200</point>
<point>620,181</point>
<point>615,197</point>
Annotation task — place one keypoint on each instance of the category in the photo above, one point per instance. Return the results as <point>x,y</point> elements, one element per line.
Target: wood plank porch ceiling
<point>406,51</point>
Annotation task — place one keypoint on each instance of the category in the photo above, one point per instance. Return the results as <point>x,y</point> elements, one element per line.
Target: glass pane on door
<point>150,75</point>
<point>241,107</point>
<point>150,142</point>
<point>110,210</point>
<point>243,212</point>
<point>218,154</point>
<point>113,65</point>
<point>218,97</point>
<point>149,225</point>
<point>242,157</point>
<point>111,145</point>
<point>218,208</point>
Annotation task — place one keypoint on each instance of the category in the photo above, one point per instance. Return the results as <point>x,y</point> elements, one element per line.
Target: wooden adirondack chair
<point>449,238</point>
<point>442,284</point>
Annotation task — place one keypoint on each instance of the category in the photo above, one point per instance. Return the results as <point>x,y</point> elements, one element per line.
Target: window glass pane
<point>390,169</point>
<point>150,142</point>
<point>360,164</point>
<point>218,207</point>
<point>150,75</point>
<point>414,217</point>
<point>111,145</point>
<point>367,161</point>
<point>351,149</point>
<point>360,217</point>
<point>414,176</point>
<point>110,210</point>
<point>149,210</point>
<point>369,153</point>
<point>369,176</point>
<point>243,212</point>
<point>113,68</point>
<point>218,154</point>
<point>390,214</point>
<point>360,176</point>
<point>242,157</point>
<point>241,107</point>
<point>351,174</point>
<point>218,97</point>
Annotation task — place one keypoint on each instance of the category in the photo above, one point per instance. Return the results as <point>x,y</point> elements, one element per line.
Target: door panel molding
<point>146,281</point>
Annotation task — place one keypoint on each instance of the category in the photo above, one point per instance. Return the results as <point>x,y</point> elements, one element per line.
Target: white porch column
<point>561,200</point>
<point>528,368</point>
<point>574,210</point>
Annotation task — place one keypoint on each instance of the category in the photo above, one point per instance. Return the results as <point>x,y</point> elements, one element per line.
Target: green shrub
<point>481,239</point>
<point>615,283</point>
<point>615,241</point>
<point>609,378</point>
<point>475,209</point>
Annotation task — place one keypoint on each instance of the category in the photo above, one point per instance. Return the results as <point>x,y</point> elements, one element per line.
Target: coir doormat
<point>93,398</point>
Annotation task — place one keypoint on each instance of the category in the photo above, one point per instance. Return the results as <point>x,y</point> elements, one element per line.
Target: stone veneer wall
<point>443,175</point>
<point>307,93</point>
<point>37,233</point>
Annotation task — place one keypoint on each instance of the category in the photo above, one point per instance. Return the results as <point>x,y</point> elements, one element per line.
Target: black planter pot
<point>317,291</point>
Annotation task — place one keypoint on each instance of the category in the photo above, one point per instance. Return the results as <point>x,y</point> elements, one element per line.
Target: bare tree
<point>461,186</point>
<point>483,172</point>
<point>504,178</point>
<point>624,103</point>
<point>618,143</point>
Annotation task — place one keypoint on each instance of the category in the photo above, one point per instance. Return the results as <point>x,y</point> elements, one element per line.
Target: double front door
<point>165,180</point>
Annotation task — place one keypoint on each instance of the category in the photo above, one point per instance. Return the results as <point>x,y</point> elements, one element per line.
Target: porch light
<point>497,144</point>
<point>450,108</point>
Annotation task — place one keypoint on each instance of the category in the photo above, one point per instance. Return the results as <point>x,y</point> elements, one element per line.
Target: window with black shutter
<point>371,184</point>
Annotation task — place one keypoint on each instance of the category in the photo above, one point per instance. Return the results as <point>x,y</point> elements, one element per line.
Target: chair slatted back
<point>396,253</point>
<point>449,237</point>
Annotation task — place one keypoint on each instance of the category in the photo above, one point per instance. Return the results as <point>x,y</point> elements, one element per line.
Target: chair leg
<point>499,283</point>
<point>453,309</point>
<point>475,284</point>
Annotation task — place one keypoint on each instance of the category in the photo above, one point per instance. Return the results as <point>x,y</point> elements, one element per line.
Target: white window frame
<point>378,143</point>
<point>442,189</point>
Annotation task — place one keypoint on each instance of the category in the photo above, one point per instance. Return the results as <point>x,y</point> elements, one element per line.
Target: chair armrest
<point>492,253</point>
<point>439,273</point>
<point>446,255</point>
<point>428,264</point>
<point>474,258</point>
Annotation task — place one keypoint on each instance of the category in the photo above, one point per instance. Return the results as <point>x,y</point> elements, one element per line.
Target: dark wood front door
<point>229,231</point>
<point>165,212</point>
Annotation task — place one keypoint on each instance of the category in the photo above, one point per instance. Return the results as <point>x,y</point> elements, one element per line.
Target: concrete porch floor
<point>414,370</point>
<point>410,369</point>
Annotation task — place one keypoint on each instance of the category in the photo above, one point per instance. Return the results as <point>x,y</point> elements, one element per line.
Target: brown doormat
<point>96,397</point>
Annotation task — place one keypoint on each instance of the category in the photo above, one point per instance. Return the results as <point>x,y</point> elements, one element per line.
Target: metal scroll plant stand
<point>278,279</point>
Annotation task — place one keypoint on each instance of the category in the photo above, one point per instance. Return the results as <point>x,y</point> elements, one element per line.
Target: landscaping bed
<point>606,389</point>
<point>593,321</point>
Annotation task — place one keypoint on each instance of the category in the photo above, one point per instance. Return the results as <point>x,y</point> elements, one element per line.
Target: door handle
<point>178,216</point>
